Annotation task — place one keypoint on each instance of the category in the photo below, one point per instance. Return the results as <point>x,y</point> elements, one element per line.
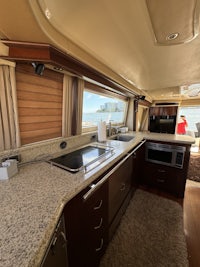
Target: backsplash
<point>45,149</point>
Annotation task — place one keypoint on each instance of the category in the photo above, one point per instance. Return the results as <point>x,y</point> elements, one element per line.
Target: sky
<point>92,102</point>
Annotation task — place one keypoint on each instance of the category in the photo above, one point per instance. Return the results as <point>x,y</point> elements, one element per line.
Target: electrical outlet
<point>93,137</point>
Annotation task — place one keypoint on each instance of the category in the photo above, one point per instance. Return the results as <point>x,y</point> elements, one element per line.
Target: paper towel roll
<point>102,131</point>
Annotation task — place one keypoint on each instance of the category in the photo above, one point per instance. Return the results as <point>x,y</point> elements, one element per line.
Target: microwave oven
<point>165,154</point>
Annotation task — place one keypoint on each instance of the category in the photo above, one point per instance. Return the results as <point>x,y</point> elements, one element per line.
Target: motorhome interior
<point>99,105</point>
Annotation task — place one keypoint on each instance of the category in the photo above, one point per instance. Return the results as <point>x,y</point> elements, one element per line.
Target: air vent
<point>167,104</point>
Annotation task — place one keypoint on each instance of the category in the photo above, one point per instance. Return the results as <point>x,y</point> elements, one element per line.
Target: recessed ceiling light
<point>174,22</point>
<point>172,36</point>
<point>58,68</point>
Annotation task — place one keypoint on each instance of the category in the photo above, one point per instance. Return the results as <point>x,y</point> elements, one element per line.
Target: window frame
<point>96,89</point>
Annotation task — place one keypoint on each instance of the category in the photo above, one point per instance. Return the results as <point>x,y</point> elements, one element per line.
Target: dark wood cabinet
<point>56,254</point>
<point>167,178</point>
<point>87,226</point>
<point>92,217</point>
<point>162,119</point>
<point>164,178</point>
<point>163,111</point>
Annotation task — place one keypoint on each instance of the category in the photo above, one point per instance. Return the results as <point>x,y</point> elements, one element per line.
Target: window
<point>102,106</point>
<point>192,116</point>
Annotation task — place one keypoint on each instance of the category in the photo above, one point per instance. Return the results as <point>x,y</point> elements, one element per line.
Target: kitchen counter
<point>32,201</point>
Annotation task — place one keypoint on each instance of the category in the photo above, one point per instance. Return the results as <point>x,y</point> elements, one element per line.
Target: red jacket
<point>181,127</point>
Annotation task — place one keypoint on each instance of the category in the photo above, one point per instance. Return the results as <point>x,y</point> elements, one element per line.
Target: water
<point>94,117</point>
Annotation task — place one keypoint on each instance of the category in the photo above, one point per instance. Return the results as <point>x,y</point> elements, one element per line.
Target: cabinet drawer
<point>96,209</point>
<point>94,251</point>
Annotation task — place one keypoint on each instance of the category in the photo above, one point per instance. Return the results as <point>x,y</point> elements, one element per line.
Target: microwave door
<point>160,156</point>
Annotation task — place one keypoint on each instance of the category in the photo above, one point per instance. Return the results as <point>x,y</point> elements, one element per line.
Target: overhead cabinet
<point>163,119</point>
<point>163,111</point>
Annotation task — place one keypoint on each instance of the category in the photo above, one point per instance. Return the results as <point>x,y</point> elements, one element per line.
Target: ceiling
<point>115,37</point>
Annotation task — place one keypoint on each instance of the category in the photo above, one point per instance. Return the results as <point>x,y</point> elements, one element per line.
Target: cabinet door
<point>57,252</point>
<point>168,179</point>
<point>119,187</point>
<point>163,111</point>
<point>138,166</point>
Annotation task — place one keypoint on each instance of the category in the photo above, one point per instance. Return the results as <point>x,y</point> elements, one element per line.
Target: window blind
<point>39,104</point>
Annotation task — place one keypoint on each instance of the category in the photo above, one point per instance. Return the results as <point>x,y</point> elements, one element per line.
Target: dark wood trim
<point>45,53</point>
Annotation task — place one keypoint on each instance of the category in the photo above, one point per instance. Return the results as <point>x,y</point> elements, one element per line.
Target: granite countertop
<point>32,202</point>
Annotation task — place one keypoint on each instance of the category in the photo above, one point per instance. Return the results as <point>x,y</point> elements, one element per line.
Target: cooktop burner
<point>81,158</point>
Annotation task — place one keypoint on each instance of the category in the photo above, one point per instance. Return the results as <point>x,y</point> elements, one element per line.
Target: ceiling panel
<point>118,34</point>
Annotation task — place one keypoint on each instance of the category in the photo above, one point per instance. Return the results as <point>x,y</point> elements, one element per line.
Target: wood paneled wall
<point>39,103</point>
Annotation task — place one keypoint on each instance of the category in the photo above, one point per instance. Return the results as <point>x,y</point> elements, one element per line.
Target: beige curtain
<point>79,106</point>
<point>67,106</point>
<point>72,106</point>
<point>9,124</point>
<point>143,120</point>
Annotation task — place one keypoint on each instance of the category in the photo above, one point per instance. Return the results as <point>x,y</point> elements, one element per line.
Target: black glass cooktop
<point>76,160</point>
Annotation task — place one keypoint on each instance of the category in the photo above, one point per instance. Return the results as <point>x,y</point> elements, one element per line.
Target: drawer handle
<point>100,224</point>
<point>123,187</point>
<point>134,155</point>
<point>101,245</point>
<point>160,180</point>
<point>99,206</point>
<point>161,171</point>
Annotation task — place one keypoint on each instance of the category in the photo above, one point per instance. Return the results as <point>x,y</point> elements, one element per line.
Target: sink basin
<point>122,137</point>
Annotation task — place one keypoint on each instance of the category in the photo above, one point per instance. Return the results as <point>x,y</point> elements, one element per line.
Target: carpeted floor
<point>150,234</point>
<point>194,167</point>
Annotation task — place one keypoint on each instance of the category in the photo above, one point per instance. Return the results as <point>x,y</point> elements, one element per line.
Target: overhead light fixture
<point>39,68</point>
<point>192,90</point>
<point>172,36</point>
<point>58,68</point>
<point>174,21</point>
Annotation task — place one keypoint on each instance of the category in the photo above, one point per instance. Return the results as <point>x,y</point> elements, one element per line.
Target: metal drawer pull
<point>99,206</point>
<point>161,171</point>
<point>123,187</point>
<point>160,180</point>
<point>100,224</point>
<point>101,245</point>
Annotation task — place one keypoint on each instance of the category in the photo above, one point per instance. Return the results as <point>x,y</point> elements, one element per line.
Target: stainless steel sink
<point>122,137</point>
